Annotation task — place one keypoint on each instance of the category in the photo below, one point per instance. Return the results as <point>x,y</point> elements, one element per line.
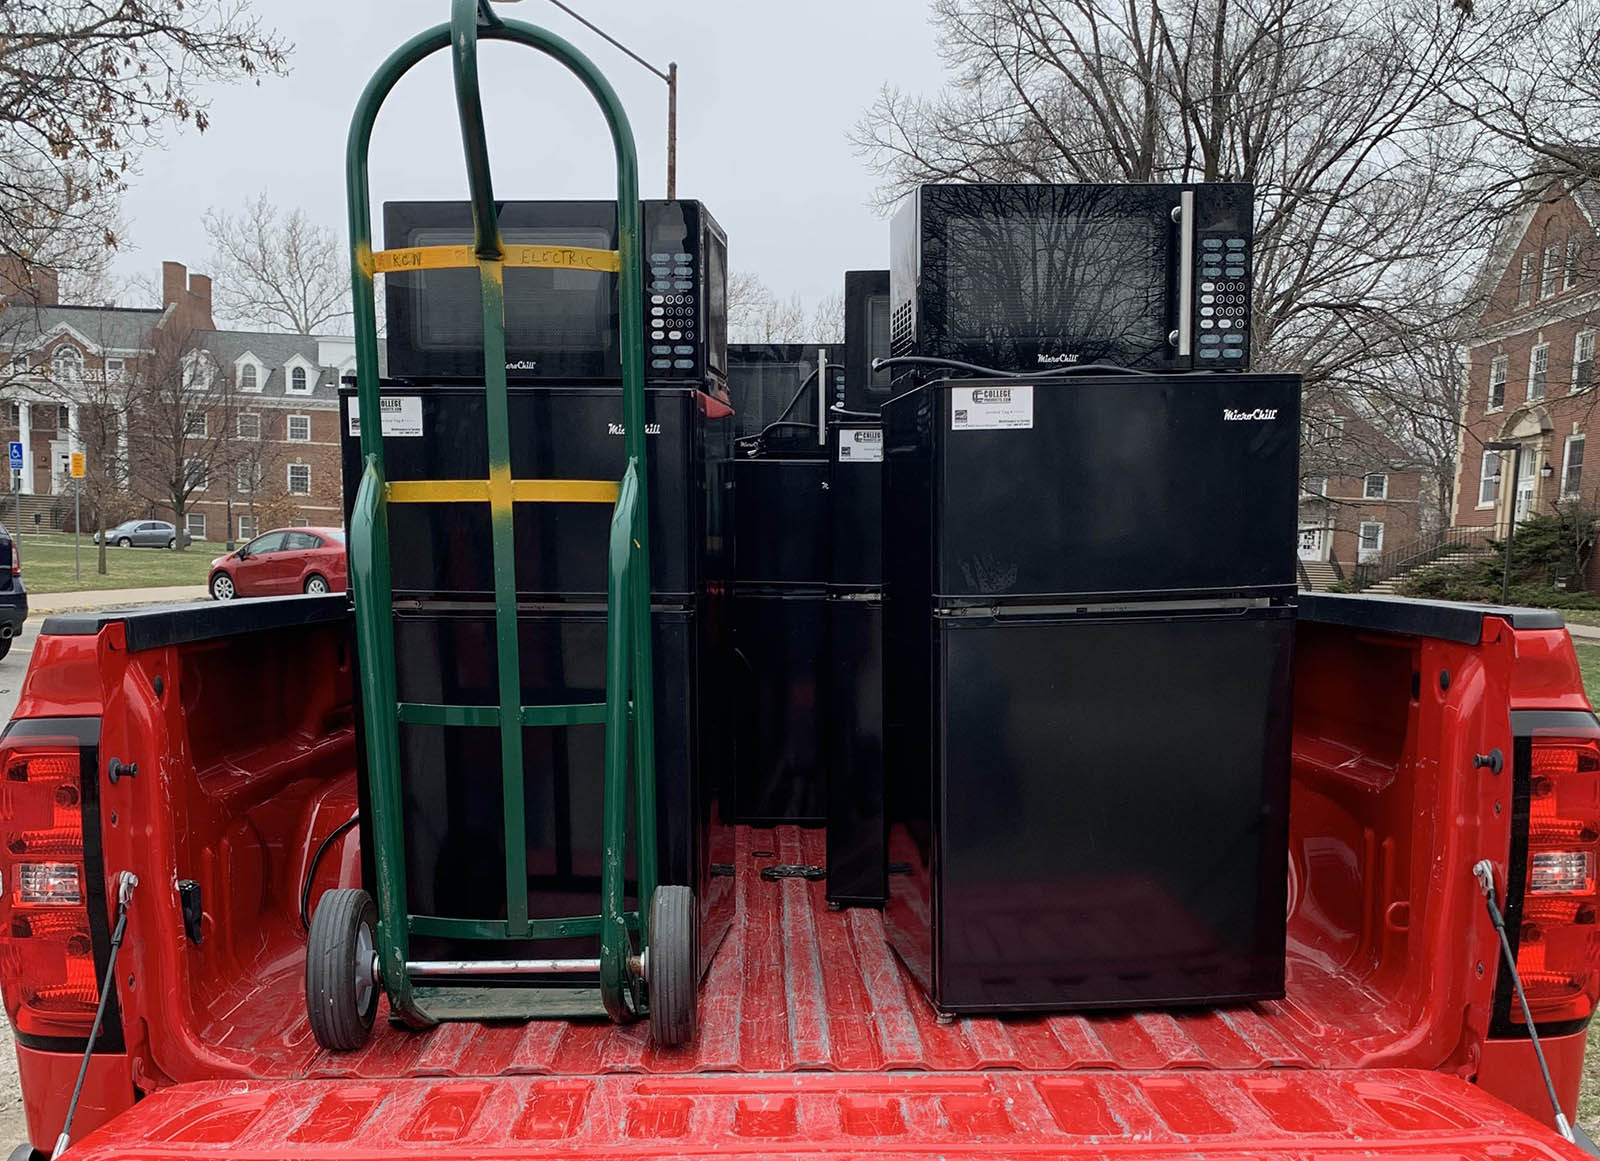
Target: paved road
<point>13,1127</point>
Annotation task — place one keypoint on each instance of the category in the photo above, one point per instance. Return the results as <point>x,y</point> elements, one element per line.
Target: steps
<point>54,512</point>
<point>1391,585</point>
<point>1319,575</point>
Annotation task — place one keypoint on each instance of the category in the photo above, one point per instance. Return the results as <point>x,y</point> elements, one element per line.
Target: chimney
<point>22,281</point>
<point>174,284</point>
<point>189,295</point>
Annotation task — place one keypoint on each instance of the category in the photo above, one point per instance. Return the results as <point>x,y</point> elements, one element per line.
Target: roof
<point>23,324</point>
<point>274,351</point>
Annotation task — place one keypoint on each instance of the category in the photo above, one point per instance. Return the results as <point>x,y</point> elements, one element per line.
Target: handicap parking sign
<point>16,455</point>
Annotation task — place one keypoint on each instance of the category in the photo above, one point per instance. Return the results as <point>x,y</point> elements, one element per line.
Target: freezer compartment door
<point>1111,823</point>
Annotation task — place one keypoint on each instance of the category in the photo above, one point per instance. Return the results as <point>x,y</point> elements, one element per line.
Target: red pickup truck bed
<point>813,1040</point>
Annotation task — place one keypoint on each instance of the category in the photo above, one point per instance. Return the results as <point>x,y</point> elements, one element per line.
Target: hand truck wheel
<point>341,993</point>
<point>674,966</point>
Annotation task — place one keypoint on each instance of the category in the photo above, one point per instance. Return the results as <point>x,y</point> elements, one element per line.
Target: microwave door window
<point>558,321</point>
<point>1042,289</point>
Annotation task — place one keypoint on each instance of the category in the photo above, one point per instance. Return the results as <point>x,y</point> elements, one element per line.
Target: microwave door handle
<point>1183,214</point>
<point>822,397</point>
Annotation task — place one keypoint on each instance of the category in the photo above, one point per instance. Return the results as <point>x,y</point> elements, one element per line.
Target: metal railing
<point>1417,553</point>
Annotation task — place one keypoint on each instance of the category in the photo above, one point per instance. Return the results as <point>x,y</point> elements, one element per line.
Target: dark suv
<point>13,597</point>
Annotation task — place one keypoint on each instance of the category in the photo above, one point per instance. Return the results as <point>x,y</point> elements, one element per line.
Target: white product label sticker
<point>402,415</point>
<point>990,408</point>
<point>861,445</point>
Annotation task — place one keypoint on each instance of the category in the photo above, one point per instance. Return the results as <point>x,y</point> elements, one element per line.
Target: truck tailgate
<point>1397,1114</point>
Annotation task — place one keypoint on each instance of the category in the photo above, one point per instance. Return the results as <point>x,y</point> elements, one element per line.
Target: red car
<point>285,560</point>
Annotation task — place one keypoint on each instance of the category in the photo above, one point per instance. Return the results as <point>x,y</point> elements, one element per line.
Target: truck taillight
<point>1558,946</point>
<point>47,962</point>
<point>16,557</point>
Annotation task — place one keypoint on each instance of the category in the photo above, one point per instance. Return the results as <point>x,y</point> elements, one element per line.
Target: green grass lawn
<point>47,565</point>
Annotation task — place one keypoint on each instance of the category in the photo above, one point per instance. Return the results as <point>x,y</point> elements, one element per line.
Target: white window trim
<point>254,523</point>
<point>1384,494</point>
<point>1533,358</point>
<point>238,429</point>
<point>204,430</point>
<point>205,481</point>
<point>288,428</point>
<point>1569,267</point>
<point>1322,491</point>
<point>1577,342</point>
<point>1482,479</point>
<point>1361,536</point>
<point>1526,275</point>
<point>289,478</point>
<point>239,477</point>
<point>301,363</point>
<point>188,519</point>
<point>249,360</point>
<point>1550,271</point>
<point>1502,364</point>
<point>1566,462</point>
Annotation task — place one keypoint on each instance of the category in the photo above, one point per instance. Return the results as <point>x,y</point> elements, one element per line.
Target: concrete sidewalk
<point>1588,634</point>
<point>44,604</point>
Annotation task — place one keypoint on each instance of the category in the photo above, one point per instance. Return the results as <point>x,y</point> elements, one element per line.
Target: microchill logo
<point>1233,415</point>
<point>618,429</point>
<point>1047,360</point>
<point>991,395</point>
<point>523,365</point>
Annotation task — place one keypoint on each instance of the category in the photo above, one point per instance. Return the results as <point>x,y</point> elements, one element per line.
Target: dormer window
<point>66,365</point>
<point>299,376</point>
<point>297,379</point>
<point>248,380</point>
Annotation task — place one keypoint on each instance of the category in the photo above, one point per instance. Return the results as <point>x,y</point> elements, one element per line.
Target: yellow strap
<point>522,491</point>
<point>455,257</point>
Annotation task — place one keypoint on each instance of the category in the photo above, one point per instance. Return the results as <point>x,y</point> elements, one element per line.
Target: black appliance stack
<point>778,676</point>
<point>561,428</point>
<point>1089,584</point>
<point>854,605</point>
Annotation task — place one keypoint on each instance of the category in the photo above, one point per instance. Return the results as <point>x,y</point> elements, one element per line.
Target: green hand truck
<point>357,945</point>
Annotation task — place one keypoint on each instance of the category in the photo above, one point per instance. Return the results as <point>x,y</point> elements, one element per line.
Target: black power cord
<point>996,373</point>
<point>1484,872</point>
<point>311,871</point>
<point>126,882</point>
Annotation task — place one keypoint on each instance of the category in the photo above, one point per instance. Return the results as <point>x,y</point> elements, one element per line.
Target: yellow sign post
<point>77,514</point>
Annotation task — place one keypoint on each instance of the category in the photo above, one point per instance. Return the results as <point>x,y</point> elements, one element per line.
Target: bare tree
<point>757,315</point>
<point>282,272</point>
<point>85,88</point>
<point>827,320</point>
<point>182,413</point>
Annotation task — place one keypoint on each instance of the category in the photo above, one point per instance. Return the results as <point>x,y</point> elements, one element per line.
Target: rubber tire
<point>172,543</point>
<point>338,1021</point>
<point>674,966</point>
<point>5,646</point>
<point>316,576</point>
<point>124,542</point>
<point>233,588</point>
<point>26,1153</point>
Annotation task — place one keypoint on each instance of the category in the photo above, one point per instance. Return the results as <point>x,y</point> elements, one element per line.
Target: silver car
<point>143,534</point>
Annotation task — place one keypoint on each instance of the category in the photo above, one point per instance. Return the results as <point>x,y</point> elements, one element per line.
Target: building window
<point>63,417</point>
<point>248,379</point>
<point>1552,264</point>
<point>194,423</point>
<point>197,474</point>
<point>249,478</point>
<point>1488,479</point>
<point>299,479</point>
<point>249,425</point>
<point>1583,361</point>
<point>19,364</point>
<point>1538,370</point>
<point>1376,487</point>
<point>194,523</point>
<point>247,528</point>
<point>1569,276</point>
<point>1315,485</point>
<point>1497,383</point>
<point>299,429</point>
<point>300,522</point>
<point>66,365</point>
<point>1525,281</point>
<point>16,415</point>
<point>297,380</point>
<point>1371,545</point>
<point>1572,468</point>
<point>115,368</point>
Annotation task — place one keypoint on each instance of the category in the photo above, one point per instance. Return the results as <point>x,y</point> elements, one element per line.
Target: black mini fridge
<point>1089,588</point>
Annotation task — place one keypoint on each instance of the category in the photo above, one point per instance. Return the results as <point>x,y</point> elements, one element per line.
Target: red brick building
<point>1531,365</point>
<point>263,428</point>
<point>1361,495</point>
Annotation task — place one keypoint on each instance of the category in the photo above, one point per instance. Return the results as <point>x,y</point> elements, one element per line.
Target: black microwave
<point>561,324</point>
<point>1030,278</point>
<point>866,337</point>
<point>777,406</point>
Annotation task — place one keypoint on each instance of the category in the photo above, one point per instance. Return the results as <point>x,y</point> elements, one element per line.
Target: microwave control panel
<point>671,311</point>
<point>1222,299</point>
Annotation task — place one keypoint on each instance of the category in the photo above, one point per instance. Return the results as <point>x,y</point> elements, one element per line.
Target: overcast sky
<point>767,95</point>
